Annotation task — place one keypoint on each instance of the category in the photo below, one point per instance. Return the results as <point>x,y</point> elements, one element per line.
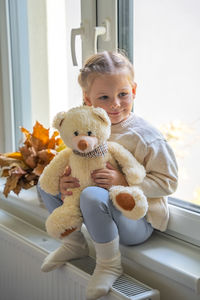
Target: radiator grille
<point>124,285</point>
<point>86,264</point>
<point>129,286</point>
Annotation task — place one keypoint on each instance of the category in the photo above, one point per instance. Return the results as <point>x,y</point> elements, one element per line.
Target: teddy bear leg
<point>67,232</point>
<point>65,219</point>
<point>62,223</point>
<point>131,201</point>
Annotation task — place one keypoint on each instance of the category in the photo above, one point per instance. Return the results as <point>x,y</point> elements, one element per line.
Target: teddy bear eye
<point>89,133</point>
<point>76,133</point>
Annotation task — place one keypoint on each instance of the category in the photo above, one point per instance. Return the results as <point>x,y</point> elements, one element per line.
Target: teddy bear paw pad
<point>68,231</point>
<point>125,201</point>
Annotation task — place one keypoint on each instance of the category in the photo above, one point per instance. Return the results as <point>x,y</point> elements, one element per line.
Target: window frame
<point>15,71</point>
<point>125,24</point>
<point>7,113</point>
<point>183,222</point>
<point>20,66</point>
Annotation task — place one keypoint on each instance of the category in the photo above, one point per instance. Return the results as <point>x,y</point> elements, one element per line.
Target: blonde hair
<point>104,63</point>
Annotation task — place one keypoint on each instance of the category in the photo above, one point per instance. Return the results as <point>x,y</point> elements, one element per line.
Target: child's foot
<point>105,274</point>
<point>74,246</point>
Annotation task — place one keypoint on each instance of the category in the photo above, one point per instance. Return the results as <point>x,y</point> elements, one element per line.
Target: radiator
<point>22,250</point>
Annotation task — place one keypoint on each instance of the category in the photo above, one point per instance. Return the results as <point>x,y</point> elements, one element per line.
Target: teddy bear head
<point>83,128</point>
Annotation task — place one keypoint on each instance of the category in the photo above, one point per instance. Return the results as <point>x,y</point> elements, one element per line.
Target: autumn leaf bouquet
<point>23,168</point>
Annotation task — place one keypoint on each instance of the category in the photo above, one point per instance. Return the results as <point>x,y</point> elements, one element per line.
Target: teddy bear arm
<point>49,180</point>
<point>130,200</point>
<point>132,169</point>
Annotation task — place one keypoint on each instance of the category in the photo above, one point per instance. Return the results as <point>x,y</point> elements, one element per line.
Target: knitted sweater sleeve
<point>161,170</point>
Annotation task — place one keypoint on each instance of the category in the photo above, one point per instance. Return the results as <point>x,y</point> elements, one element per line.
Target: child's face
<point>113,93</point>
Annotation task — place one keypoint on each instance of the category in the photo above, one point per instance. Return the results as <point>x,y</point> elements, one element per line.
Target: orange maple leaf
<point>24,167</point>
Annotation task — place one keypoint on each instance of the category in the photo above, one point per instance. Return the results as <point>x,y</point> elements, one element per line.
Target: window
<point>161,38</point>
<point>167,66</point>
<point>36,65</point>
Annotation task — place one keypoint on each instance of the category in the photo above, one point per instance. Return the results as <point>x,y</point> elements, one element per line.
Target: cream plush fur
<point>84,129</point>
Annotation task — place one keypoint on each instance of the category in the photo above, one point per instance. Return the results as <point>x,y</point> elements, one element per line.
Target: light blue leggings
<point>102,220</point>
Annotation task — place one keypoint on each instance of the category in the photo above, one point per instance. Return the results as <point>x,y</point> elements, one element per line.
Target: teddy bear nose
<point>82,145</point>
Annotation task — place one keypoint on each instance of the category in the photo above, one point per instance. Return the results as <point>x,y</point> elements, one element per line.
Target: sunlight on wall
<point>64,91</point>
<point>38,61</point>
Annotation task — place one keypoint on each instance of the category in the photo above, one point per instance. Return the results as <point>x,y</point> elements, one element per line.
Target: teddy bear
<point>86,130</point>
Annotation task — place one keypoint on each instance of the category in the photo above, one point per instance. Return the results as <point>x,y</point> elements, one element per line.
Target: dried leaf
<point>11,183</point>
<point>29,156</point>
<point>38,139</point>
<point>41,133</point>
<point>26,185</point>
<point>4,172</point>
<point>7,161</point>
<point>26,132</point>
<point>46,155</point>
<point>31,177</point>
<point>53,142</point>
<point>15,155</point>
<point>61,147</point>
<point>37,144</point>
<point>17,189</point>
<point>27,136</point>
<point>17,170</point>
<point>39,169</point>
<point>24,167</point>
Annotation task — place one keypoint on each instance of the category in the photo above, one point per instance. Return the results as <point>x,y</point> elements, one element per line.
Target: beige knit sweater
<point>151,149</point>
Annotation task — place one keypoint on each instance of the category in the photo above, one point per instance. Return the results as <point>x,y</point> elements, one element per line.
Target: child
<point>107,81</point>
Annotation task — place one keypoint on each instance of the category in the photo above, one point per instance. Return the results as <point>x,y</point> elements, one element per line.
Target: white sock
<point>74,246</point>
<point>108,269</point>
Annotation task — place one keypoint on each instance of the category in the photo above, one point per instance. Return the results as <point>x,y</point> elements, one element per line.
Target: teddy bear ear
<point>58,119</point>
<point>101,114</point>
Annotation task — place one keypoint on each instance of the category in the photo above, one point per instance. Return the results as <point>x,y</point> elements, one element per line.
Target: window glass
<point>167,71</point>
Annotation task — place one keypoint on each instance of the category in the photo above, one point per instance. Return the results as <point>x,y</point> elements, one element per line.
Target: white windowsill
<point>26,205</point>
<point>168,256</point>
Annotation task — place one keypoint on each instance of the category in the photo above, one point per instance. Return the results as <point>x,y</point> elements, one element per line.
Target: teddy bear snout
<point>82,145</point>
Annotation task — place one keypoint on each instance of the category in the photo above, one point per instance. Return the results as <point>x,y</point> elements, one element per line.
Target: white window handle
<point>85,33</point>
<point>74,33</point>
<point>101,30</point>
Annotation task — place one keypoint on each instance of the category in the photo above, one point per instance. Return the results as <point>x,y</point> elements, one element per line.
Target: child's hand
<point>66,182</point>
<point>105,178</point>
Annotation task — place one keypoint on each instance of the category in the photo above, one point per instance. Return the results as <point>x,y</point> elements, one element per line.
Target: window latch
<point>86,34</point>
